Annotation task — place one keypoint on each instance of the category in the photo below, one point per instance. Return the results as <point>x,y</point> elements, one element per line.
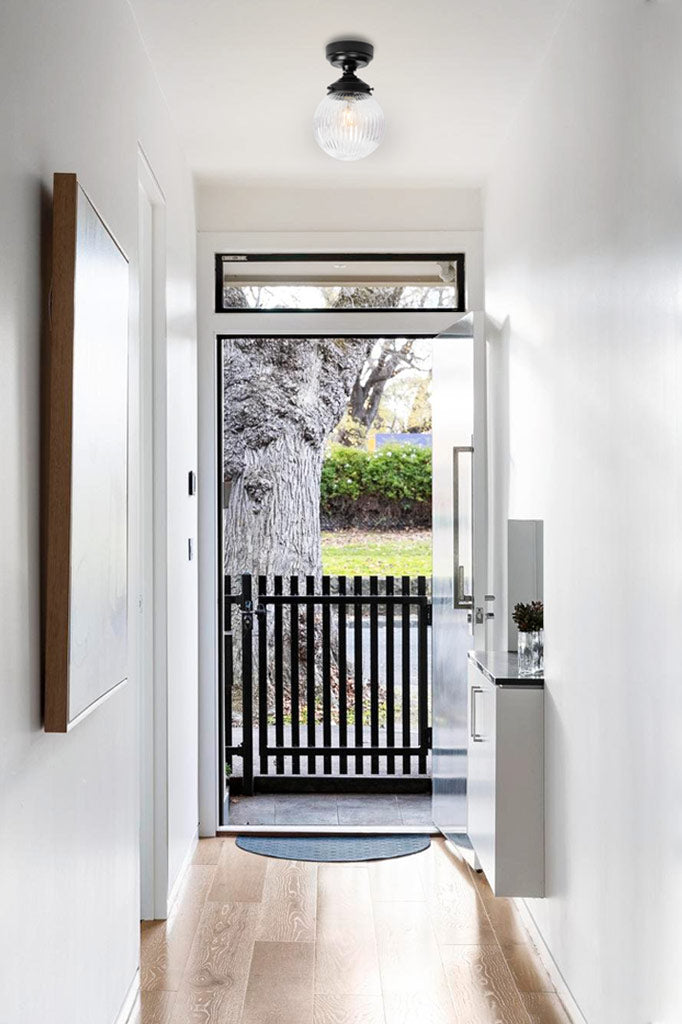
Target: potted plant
<point>529,619</point>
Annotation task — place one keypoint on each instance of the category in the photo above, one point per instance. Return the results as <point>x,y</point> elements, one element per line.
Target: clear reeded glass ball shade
<point>348,126</point>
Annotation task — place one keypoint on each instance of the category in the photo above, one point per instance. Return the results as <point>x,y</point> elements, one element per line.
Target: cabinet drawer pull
<point>474,732</point>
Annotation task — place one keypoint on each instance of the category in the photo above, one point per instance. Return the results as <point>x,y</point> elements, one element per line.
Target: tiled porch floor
<point>332,809</point>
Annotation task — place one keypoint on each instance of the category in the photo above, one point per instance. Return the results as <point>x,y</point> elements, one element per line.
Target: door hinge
<point>429,614</point>
<point>429,738</point>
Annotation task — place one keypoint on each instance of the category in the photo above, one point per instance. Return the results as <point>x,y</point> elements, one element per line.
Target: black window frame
<point>458,258</point>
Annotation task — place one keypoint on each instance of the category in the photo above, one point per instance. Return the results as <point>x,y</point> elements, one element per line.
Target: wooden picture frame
<point>86,573</point>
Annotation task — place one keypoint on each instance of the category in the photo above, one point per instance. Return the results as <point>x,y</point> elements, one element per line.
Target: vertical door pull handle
<point>476,737</point>
<point>461,543</point>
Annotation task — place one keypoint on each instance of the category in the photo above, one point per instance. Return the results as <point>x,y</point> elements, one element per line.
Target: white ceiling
<point>243,78</point>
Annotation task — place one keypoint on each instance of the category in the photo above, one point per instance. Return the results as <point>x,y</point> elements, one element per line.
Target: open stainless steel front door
<point>459,552</point>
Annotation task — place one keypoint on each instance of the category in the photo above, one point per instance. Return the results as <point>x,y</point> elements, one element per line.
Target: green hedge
<point>399,472</point>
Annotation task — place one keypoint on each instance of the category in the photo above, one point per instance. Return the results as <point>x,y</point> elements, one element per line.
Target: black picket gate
<point>315,703</point>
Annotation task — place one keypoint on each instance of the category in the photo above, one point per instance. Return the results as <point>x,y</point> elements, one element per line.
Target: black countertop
<point>502,669</point>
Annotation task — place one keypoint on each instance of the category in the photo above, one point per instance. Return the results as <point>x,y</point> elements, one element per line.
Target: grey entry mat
<point>334,848</point>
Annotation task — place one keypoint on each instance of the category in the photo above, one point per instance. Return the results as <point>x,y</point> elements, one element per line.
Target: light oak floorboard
<point>153,1008</point>
<point>239,876</point>
<point>456,909</point>
<point>527,968</point>
<point>409,959</point>
<point>398,879</point>
<point>381,943</point>
<point>344,901</point>
<point>347,967</point>
<point>280,987</point>
<point>208,851</point>
<point>214,983</point>
<point>545,1008</point>
<point>348,1010</point>
<point>346,960</point>
<point>419,1008</point>
<point>503,915</point>
<point>287,911</point>
<point>165,945</point>
<point>482,987</point>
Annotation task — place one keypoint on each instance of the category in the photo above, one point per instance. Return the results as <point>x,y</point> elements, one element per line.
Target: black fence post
<point>390,676</point>
<point>357,673</point>
<point>261,615</point>
<point>294,641</point>
<point>406,688</point>
<point>279,678</point>
<point>343,669</point>
<point>326,679</point>
<point>247,682</point>
<point>310,672</point>
<point>374,673</point>
<point>422,674</point>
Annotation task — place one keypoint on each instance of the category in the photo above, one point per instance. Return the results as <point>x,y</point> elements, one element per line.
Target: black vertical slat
<point>357,673</point>
<point>405,638</point>
<point>422,676</point>
<point>310,672</point>
<point>374,672</point>
<point>326,679</point>
<point>343,697</point>
<point>262,677</point>
<point>279,679</point>
<point>293,671</point>
<point>247,682</point>
<point>228,669</point>
<point>390,677</point>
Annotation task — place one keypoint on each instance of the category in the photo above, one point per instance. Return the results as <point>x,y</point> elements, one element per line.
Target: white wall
<point>78,95</point>
<point>223,206</point>
<point>583,238</point>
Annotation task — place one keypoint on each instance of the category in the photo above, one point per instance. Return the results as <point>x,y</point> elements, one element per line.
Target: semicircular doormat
<point>334,848</point>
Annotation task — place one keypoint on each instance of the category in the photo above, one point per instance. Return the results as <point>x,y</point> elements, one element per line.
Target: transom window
<point>340,282</point>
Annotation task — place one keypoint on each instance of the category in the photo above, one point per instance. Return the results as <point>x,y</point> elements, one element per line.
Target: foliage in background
<point>400,472</point>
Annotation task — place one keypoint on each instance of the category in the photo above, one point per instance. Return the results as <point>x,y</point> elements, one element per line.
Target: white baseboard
<point>130,1000</point>
<point>177,884</point>
<point>550,965</point>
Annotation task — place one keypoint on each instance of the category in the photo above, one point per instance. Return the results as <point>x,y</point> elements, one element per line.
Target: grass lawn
<point>372,553</point>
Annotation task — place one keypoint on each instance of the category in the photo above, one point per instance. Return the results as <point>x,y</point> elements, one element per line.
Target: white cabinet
<point>505,791</point>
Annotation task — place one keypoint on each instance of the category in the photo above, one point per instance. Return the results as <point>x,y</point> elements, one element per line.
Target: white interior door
<point>459,553</point>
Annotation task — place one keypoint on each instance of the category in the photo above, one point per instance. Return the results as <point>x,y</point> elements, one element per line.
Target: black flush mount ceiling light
<point>349,123</point>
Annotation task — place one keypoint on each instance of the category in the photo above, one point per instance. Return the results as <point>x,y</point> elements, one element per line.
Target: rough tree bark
<point>282,399</point>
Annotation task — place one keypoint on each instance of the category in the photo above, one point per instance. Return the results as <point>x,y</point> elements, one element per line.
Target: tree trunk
<point>282,399</point>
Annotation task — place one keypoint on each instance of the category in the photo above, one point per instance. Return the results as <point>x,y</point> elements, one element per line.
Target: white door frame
<point>211,326</point>
<point>152,649</point>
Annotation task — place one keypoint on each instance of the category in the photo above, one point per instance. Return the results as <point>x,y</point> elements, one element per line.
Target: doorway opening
<point>325,713</point>
<point>326,568</point>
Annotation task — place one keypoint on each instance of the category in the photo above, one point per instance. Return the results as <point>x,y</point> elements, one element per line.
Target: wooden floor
<point>420,939</point>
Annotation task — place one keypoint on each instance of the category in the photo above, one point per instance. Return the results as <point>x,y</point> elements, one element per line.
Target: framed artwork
<point>86,572</point>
